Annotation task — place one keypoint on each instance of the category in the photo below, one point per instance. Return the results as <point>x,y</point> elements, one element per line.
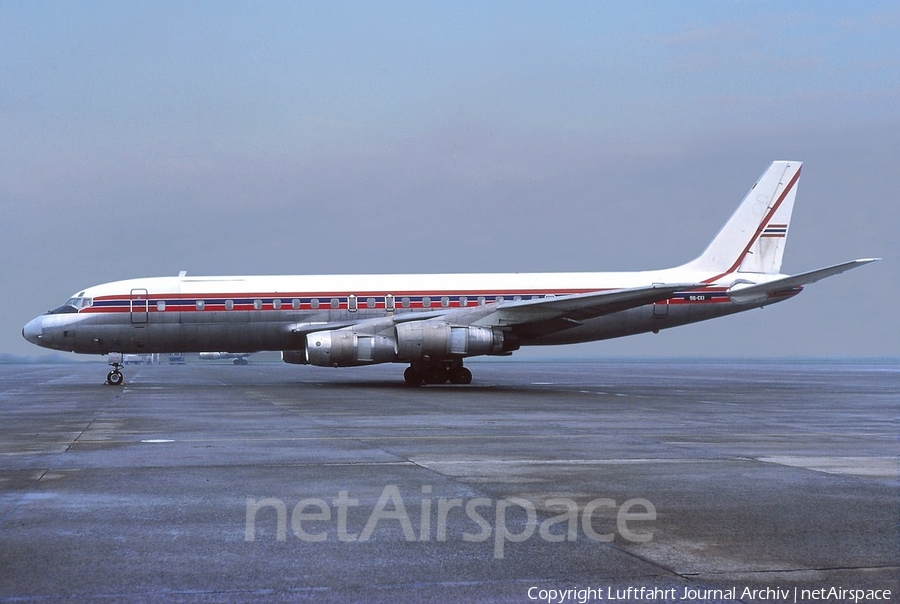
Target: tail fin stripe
<point>760,229</point>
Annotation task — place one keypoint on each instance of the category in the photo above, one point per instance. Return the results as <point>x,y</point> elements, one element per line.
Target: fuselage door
<point>140,305</point>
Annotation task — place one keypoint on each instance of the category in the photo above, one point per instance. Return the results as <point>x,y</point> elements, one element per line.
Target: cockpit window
<point>62,309</point>
<point>72,305</point>
<point>79,302</point>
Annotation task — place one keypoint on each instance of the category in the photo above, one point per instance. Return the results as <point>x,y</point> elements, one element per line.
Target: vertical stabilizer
<point>752,241</point>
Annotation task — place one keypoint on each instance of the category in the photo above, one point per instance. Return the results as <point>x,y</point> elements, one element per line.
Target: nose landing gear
<point>115,377</point>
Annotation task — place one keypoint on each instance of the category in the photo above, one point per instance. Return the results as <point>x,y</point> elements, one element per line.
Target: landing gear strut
<point>438,372</point>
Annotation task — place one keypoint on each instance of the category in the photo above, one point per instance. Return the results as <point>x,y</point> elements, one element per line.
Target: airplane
<point>435,321</point>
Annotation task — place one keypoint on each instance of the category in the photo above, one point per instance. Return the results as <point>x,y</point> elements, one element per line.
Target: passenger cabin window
<point>161,305</point>
<point>335,303</point>
<point>404,302</point>
<point>314,303</point>
<point>352,303</point>
<point>445,301</point>
<point>200,304</point>
<point>295,304</point>
<point>370,302</point>
<point>426,301</point>
<point>480,300</point>
<point>276,304</point>
<point>463,301</point>
<point>389,302</point>
<point>257,305</point>
<point>229,304</point>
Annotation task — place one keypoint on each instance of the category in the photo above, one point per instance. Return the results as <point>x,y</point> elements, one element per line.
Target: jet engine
<point>414,341</point>
<point>436,340</point>
<point>348,347</point>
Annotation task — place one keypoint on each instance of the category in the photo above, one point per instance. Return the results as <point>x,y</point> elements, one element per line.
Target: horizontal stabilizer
<point>749,293</point>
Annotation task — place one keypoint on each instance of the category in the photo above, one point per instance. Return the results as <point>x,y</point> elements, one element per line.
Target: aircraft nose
<point>33,330</point>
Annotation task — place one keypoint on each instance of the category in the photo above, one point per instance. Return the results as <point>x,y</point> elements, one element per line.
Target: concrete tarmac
<point>624,481</point>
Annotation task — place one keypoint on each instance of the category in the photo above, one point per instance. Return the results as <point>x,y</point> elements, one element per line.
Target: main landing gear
<point>439,372</point>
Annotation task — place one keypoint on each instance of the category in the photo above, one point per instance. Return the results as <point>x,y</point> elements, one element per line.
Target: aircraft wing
<point>749,293</point>
<point>544,316</point>
<point>577,307</point>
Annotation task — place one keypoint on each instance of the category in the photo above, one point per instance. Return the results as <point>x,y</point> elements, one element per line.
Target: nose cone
<point>34,330</point>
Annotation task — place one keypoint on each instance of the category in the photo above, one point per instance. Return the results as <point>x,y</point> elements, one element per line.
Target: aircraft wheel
<point>413,377</point>
<point>436,375</point>
<point>460,375</point>
<point>115,378</point>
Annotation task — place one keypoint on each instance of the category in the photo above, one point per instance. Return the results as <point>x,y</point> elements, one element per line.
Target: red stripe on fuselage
<point>712,294</point>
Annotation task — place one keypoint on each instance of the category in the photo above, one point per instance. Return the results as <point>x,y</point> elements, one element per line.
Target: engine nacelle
<point>435,340</point>
<point>348,347</point>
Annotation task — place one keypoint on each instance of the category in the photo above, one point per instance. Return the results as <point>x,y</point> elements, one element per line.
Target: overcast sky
<point>289,137</point>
